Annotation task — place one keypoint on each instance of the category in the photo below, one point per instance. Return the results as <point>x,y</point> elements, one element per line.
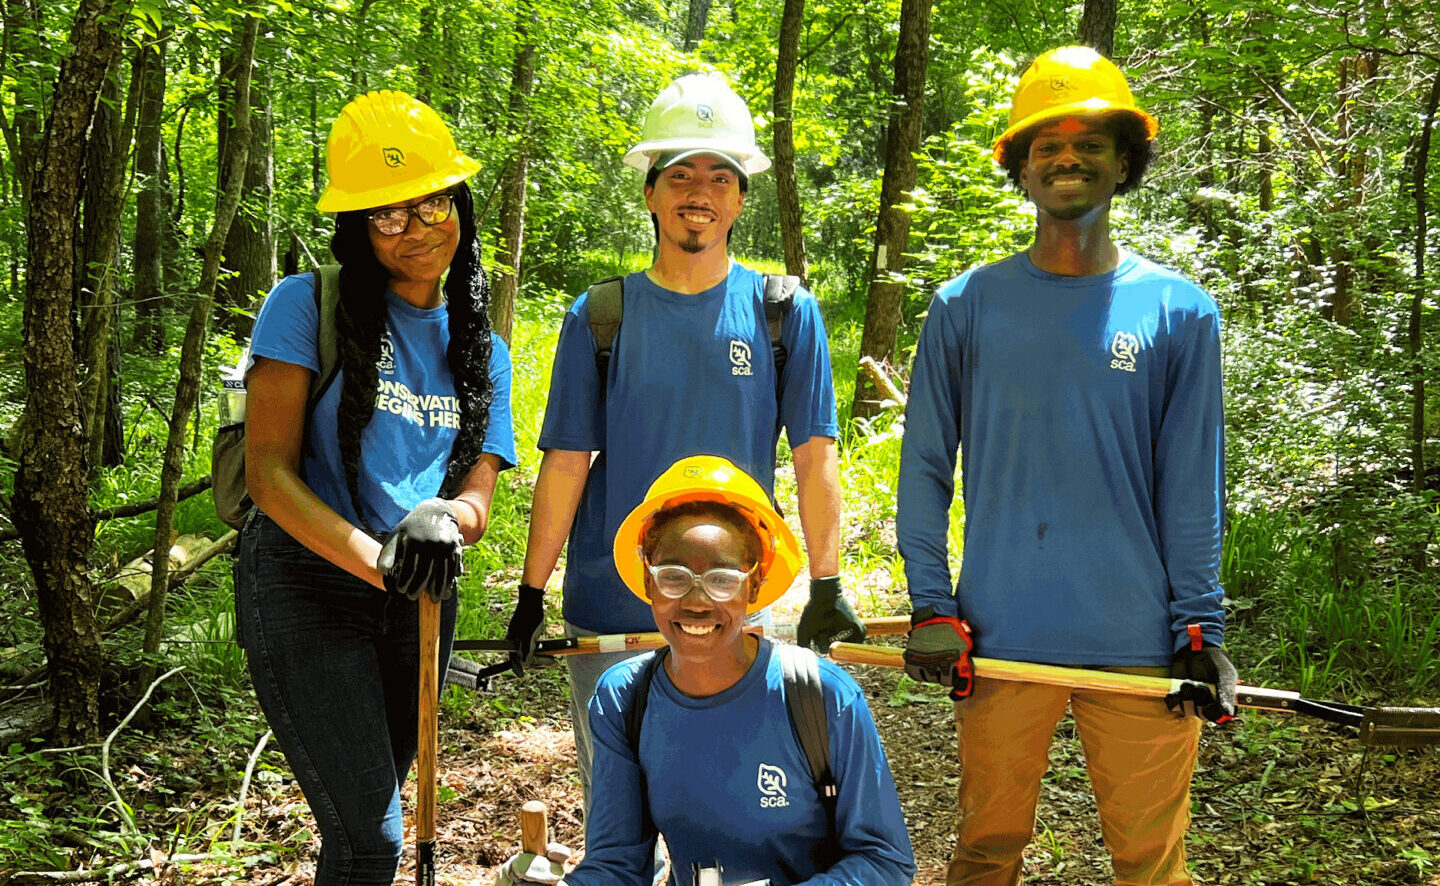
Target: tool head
<point>1400,727</point>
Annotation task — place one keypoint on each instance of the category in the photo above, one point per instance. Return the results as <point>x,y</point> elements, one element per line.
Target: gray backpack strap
<point>779,291</point>
<point>805,699</point>
<point>606,305</point>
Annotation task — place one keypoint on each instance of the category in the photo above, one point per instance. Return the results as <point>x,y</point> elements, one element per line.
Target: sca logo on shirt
<point>387,354</point>
<point>771,780</point>
<point>739,357</point>
<point>1123,349</point>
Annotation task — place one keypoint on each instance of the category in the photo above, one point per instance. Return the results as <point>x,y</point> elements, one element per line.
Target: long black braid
<point>360,326</point>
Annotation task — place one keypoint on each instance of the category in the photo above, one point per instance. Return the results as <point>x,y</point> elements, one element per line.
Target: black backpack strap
<point>805,699</point>
<point>779,291</point>
<point>606,305</point>
<point>635,718</point>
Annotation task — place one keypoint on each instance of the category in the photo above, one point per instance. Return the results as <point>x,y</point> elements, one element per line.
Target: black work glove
<point>938,651</point>
<point>526,623</point>
<point>423,553</point>
<point>827,617</point>
<point>1211,694</point>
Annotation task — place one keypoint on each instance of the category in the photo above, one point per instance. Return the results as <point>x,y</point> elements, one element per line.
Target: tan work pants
<point>1140,758</point>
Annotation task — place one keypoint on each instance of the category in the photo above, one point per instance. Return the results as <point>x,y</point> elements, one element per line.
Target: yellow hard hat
<point>698,113</point>
<point>385,147</point>
<point>1067,82</point>
<point>712,478</point>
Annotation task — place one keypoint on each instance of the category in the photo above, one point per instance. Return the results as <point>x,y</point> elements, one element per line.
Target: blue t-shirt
<point>725,779</point>
<point>405,448</point>
<point>689,375</point>
<point>1089,414</point>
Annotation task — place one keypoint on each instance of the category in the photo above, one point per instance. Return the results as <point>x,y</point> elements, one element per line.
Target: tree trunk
<point>892,229</point>
<point>1417,300</point>
<point>51,505</point>
<point>249,252</point>
<point>1097,26</point>
<point>512,182</point>
<point>107,154</point>
<point>151,217</point>
<point>186,390</point>
<point>695,21</point>
<point>787,189</point>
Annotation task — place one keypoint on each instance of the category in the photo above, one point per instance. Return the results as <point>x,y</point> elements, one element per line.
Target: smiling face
<point>695,202</point>
<point>417,257</point>
<point>698,628</point>
<point>1072,168</point>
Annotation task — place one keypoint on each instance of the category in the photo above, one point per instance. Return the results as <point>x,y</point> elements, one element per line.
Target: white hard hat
<point>698,113</point>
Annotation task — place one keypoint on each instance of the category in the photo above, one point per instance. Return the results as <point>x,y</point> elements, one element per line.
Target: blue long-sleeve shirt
<point>725,779</point>
<point>1088,411</point>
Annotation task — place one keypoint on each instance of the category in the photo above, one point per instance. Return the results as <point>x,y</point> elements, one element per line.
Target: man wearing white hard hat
<point>690,370</point>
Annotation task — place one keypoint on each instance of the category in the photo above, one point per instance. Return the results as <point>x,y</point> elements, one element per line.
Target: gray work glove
<point>827,617</point>
<point>526,623</point>
<point>938,651</point>
<point>528,869</point>
<point>1210,691</point>
<point>424,552</point>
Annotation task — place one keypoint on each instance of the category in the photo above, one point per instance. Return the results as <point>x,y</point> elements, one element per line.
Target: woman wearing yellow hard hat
<point>378,422</point>
<point>705,742</point>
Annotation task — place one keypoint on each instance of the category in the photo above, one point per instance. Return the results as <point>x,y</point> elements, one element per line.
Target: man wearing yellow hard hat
<point>378,422</point>
<point>713,742</point>
<point>690,367</point>
<point>1082,383</point>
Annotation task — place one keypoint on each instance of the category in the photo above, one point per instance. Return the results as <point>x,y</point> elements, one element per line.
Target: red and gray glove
<point>1209,690</point>
<point>423,554</point>
<point>938,651</point>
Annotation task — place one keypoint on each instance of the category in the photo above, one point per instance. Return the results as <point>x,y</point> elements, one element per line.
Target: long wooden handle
<point>887,626</point>
<point>427,740</point>
<point>534,830</point>
<point>1020,671</point>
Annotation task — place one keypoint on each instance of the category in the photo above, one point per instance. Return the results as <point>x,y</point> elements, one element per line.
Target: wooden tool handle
<point>427,735</point>
<point>534,836</point>
<point>1020,671</point>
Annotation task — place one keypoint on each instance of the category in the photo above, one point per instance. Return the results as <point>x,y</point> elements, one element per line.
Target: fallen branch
<point>132,509</point>
<point>124,869</point>
<point>245,784</point>
<point>894,399</point>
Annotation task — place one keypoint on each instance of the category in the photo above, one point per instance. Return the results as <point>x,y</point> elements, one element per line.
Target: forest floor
<point>1277,800</point>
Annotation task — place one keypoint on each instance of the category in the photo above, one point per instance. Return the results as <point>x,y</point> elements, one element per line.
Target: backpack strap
<point>606,304</point>
<point>635,717</point>
<point>779,291</point>
<point>805,700</point>
<point>327,297</point>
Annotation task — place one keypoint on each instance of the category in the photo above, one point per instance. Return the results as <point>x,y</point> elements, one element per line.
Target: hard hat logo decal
<point>1060,84</point>
<point>394,157</point>
<point>692,473</point>
<point>706,115</point>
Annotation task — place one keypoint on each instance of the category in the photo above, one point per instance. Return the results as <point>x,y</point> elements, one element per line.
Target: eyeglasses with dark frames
<point>431,211</point>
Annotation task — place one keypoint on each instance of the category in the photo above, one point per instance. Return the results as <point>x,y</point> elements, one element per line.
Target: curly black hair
<point>715,510</point>
<point>1131,142</point>
<point>360,325</point>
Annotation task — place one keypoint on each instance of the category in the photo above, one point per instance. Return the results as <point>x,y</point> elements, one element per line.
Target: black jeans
<point>335,663</point>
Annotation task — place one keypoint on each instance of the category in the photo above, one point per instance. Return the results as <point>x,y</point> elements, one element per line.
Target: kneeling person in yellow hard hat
<point>691,369</point>
<point>377,425</point>
<point>1083,384</point>
<point>705,741</point>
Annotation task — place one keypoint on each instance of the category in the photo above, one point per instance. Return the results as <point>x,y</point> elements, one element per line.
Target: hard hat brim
<point>783,567</point>
<point>334,200</point>
<point>1092,107</point>
<point>643,155</point>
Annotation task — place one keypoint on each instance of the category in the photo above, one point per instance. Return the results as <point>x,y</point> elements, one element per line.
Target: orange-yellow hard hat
<point>712,478</point>
<point>386,147</point>
<point>1067,82</point>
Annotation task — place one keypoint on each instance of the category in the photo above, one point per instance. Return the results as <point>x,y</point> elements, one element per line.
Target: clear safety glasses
<point>675,581</point>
